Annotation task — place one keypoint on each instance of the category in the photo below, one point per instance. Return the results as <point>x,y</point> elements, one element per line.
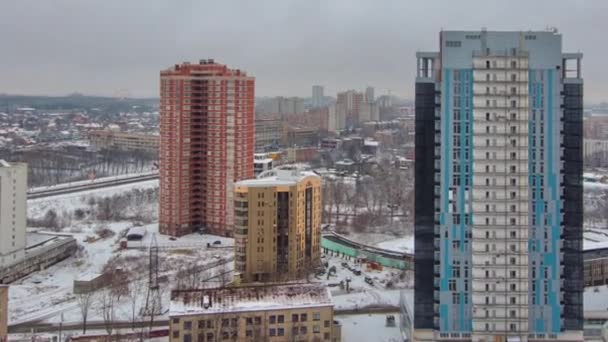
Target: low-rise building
<point>280,312</point>
<point>13,212</point>
<point>124,140</point>
<point>3,313</point>
<point>301,136</point>
<point>261,162</point>
<point>277,226</point>
<point>268,133</point>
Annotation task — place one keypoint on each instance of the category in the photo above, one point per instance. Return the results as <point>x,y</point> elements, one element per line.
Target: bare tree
<point>84,300</point>
<point>135,297</point>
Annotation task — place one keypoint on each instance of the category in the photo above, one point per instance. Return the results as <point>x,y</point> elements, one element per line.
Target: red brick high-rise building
<point>206,144</point>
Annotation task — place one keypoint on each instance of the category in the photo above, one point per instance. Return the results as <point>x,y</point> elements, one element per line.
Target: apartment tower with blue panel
<point>498,217</point>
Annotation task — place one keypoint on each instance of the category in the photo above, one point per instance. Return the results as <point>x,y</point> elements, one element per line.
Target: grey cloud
<point>101,47</point>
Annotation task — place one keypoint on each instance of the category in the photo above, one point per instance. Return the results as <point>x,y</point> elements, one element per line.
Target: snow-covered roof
<point>249,298</point>
<point>277,177</point>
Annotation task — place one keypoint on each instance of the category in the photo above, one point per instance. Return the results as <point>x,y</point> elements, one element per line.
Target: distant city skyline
<point>112,47</point>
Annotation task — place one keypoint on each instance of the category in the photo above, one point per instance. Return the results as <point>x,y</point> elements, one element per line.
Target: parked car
<point>172,238</point>
<point>217,242</point>
<point>356,271</point>
<point>369,280</point>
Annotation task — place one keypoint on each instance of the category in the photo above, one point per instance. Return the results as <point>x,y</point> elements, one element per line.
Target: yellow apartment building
<point>277,226</point>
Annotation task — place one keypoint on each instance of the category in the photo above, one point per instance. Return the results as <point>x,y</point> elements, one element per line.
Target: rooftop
<point>277,177</point>
<point>249,298</point>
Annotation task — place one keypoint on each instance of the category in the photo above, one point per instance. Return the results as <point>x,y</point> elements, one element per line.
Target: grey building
<point>498,220</point>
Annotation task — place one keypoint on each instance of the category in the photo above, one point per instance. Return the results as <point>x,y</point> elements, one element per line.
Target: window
<point>452,284</point>
<point>303,330</point>
<point>326,323</point>
<point>273,319</point>
<point>201,324</point>
<point>273,332</point>
<point>187,325</point>
<point>258,320</point>
<point>316,316</point>
<point>316,329</point>
<point>326,336</point>
<point>175,320</point>
<point>176,334</point>
<point>303,317</point>
<point>209,336</point>
<point>294,331</point>
<point>294,317</point>
<point>187,338</point>
<point>281,332</point>
<point>281,319</point>
<point>249,320</point>
<point>225,322</point>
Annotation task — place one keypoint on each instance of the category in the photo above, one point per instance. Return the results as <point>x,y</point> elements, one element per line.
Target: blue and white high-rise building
<point>498,219</point>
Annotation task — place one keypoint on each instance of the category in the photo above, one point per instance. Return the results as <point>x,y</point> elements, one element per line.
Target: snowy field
<point>366,327</point>
<point>36,208</point>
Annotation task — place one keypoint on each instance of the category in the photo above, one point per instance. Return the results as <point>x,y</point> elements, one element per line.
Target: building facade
<point>277,226</point>
<point>318,99</point>
<point>498,224</point>
<point>268,133</point>
<point>3,313</point>
<point>283,312</point>
<point>369,95</point>
<point>13,212</point>
<point>595,147</point>
<point>348,105</point>
<point>262,162</point>
<point>124,140</point>
<point>206,144</point>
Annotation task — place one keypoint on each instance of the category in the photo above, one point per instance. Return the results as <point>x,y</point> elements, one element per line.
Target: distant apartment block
<point>498,173</point>
<point>13,212</point>
<point>207,144</point>
<point>282,312</point>
<point>301,136</point>
<point>315,118</point>
<point>318,99</point>
<point>277,226</point>
<point>108,139</point>
<point>368,111</point>
<point>369,95</point>
<point>3,313</point>
<point>268,133</point>
<point>336,118</point>
<point>593,147</point>
<point>348,105</point>
<point>282,106</point>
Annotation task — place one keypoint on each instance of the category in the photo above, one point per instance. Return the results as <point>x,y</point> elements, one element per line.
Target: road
<point>97,184</point>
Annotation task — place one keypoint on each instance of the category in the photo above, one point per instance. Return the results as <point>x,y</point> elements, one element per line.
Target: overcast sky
<point>107,47</point>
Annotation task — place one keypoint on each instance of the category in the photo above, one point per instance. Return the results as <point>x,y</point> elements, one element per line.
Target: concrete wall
<point>39,259</point>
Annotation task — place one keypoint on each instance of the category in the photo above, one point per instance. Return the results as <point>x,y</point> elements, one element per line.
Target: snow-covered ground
<point>360,328</point>
<point>46,294</point>
<point>405,244</point>
<point>92,181</point>
<point>37,208</point>
<point>362,294</point>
